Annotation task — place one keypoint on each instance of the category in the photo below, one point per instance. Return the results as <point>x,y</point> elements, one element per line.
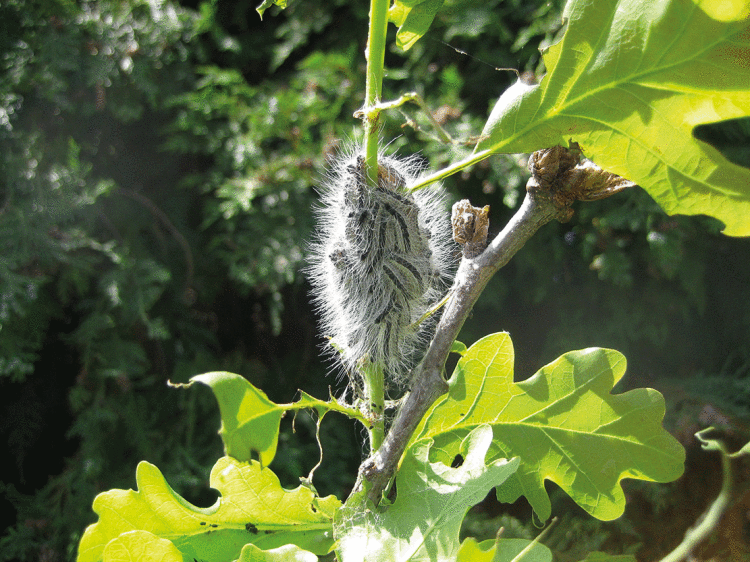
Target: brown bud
<point>566,176</point>
<point>470,225</point>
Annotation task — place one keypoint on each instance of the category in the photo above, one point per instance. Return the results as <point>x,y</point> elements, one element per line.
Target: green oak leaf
<point>629,81</point>
<point>250,421</point>
<point>413,19</point>
<point>141,546</point>
<point>253,508</point>
<point>267,4</point>
<point>562,422</point>
<point>286,553</point>
<point>423,523</point>
<point>503,550</point>
<point>458,347</point>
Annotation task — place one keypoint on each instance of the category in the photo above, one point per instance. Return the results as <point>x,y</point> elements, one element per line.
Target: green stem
<point>373,374</point>
<point>710,519</point>
<point>416,98</point>
<point>374,86</point>
<point>452,169</point>
<point>374,391</point>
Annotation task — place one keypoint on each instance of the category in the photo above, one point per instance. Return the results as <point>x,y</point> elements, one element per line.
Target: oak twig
<point>557,175</point>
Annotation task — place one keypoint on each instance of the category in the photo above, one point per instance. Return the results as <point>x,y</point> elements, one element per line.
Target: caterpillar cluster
<point>380,262</point>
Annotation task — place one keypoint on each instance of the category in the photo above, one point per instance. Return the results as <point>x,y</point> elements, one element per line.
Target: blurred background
<point>158,172</point>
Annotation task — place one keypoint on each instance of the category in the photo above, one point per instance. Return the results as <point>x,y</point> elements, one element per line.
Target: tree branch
<point>559,177</point>
<point>429,384</point>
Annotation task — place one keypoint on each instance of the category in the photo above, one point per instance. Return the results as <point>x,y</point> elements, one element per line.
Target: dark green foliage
<point>89,298</point>
<point>157,178</point>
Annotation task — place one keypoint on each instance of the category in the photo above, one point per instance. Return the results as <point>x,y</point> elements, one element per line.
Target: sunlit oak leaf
<point>286,553</point>
<point>503,550</point>
<point>413,18</point>
<point>562,422</point>
<point>629,81</point>
<point>423,523</point>
<point>141,546</point>
<point>263,6</point>
<point>253,508</point>
<point>250,421</point>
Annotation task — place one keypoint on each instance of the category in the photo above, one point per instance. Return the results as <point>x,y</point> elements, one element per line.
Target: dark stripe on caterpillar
<point>394,279</point>
<point>402,223</point>
<point>406,265</point>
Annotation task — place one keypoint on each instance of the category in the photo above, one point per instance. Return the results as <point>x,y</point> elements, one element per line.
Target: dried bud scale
<point>566,176</point>
<point>381,260</point>
<point>470,227</point>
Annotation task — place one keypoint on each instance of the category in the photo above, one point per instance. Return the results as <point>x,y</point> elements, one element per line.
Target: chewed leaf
<point>629,82</point>
<point>562,422</point>
<point>253,509</point>
<point>503,550</point>
<point>433,498</point>
<point>250,421</point>
<point>141,546</point>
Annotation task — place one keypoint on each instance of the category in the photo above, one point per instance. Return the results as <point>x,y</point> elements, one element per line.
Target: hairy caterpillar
<point>381,260</point>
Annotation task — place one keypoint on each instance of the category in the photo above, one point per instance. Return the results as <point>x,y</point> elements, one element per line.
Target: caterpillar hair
<point>381,260</point>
